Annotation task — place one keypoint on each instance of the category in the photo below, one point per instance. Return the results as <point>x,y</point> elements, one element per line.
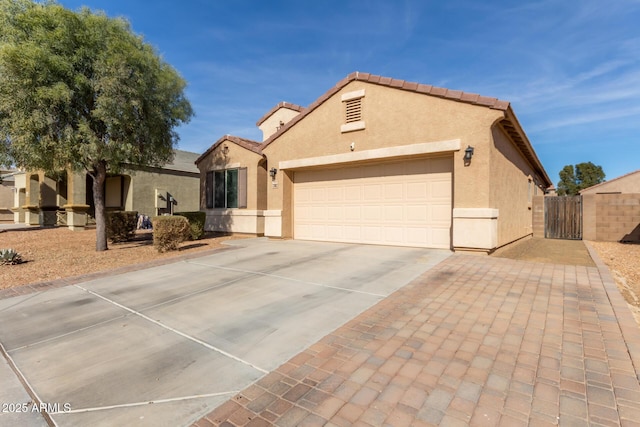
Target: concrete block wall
<point>537,210</point>
<point>611,217</point>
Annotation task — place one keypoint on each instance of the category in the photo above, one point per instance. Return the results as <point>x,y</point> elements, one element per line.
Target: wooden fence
<point>563,217</point>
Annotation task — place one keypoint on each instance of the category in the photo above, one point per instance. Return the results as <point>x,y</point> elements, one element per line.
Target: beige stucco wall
<point>392,118</point>
<point>513,184</point>
<point>140,190</point>
<point>627,184</point>
<point>272,124</point>
<point>241,220</point>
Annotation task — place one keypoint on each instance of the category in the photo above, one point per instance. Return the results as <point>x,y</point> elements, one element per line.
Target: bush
<point>169,232</point>
<point>196,221</point>
<point>10,257</point>
<point>121,225</point>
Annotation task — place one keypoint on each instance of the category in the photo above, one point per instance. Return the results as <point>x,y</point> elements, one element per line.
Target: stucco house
<point>378,160</point>
<point>625,184</point>
<point>67,199</point>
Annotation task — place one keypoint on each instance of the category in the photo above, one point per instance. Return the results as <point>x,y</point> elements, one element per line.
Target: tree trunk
<point>99,177</point>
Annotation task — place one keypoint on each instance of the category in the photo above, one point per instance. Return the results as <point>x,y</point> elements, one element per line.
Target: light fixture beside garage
<point>273,172</point>
<point>468,154</point>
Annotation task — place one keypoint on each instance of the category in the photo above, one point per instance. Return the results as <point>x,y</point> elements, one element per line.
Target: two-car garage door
<point>403,203</point>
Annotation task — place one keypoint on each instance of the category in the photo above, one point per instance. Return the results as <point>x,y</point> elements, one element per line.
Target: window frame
<point>235,196</point>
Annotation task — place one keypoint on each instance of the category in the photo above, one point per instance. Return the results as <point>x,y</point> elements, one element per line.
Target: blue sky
<point>571,69</point>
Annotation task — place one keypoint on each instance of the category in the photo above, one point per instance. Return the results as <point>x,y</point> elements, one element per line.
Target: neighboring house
<point>628,183</point>
<point>6,194</point>
<point>379,161</point>
<point>68,198</point>
<point>611,209</point>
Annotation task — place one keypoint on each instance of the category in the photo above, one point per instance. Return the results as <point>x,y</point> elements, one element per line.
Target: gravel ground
<point>59,252</point>
<point>623,261</point>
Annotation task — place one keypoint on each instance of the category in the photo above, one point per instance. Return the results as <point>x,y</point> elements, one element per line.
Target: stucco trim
<point>379,153</point>
<point>475,213</point>
<point>352,95</point>
<point>350,127</point>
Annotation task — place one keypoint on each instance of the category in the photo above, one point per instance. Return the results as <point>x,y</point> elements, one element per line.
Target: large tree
<point>583,176</point>
<point>81,91</point>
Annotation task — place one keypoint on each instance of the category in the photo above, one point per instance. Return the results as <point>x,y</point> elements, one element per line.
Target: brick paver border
<point>475,341</point>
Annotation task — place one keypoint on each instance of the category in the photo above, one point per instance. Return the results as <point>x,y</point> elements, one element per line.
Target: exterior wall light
<point>468,154</point>
<point>273,172</point>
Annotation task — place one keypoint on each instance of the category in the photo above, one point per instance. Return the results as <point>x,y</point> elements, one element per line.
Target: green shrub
<point>169,232</point>
<point>196,221</point>
<point>10,257</point>
<point>121,225</point>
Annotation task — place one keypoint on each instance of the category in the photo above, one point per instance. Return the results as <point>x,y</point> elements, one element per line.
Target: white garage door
<point>404,203</point>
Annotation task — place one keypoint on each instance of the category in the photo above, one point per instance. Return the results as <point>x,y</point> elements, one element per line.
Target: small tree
<point>585,175</point>
<point>81,91</point>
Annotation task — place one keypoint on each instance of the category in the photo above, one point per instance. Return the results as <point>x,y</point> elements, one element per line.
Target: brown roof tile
<point>438,91</point>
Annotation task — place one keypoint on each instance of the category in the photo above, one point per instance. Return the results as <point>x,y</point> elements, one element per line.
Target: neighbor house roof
<point>509,124</point>
<point>183,161</point>
<point>626,175</point>
<point>242,142</point>
<point>278,106</point>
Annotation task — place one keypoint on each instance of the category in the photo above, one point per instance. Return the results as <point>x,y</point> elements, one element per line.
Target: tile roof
<point>456,95</point>
<point>278,106</point>
<point>242,142</point>
<point>510,123</point>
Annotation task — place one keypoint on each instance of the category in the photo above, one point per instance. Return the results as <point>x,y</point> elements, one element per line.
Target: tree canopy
<point>585,175</point>
<point>81,91</point>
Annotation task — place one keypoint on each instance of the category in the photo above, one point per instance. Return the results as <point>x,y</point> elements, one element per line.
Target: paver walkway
<point>475,341</point>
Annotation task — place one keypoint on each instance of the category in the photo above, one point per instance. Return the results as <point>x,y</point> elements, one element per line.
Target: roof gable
<point>455,95</point>
<point>278,106</point>
<point>242,142</point>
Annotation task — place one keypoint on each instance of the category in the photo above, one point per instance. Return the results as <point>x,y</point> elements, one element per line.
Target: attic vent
<point>353,111</point>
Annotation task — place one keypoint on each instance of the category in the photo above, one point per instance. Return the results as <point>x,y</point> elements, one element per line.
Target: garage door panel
<point>394,191</point>
<point>417,190</point>
<point>418,214</point>
<point>335,213</point>
<point>402,203</point>
<point>372,192</point>
<point>352,193</point>
<point>394,213</point>
<point>371,213</point>
<point>440,189</point>
<point>441,214</point>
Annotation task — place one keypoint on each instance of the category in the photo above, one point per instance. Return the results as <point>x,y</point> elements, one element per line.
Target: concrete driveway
<point>165,345</point>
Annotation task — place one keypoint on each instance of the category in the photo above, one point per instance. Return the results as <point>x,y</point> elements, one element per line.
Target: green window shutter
<point>242,188</point>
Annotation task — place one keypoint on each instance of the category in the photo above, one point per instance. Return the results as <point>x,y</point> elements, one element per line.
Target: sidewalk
<point>479,341</point>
